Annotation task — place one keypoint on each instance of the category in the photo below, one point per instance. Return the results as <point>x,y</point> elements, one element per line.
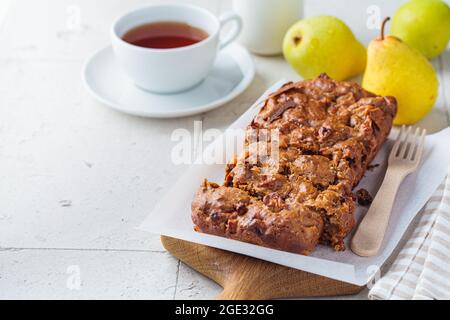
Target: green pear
<point>324,44</point>
<point>396,69</point>
<point>424,25</point>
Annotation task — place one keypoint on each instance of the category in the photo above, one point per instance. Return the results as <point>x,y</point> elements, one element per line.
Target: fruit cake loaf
<point>298,193</point>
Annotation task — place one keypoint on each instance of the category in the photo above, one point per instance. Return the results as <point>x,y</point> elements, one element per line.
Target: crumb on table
<point>364,197</point>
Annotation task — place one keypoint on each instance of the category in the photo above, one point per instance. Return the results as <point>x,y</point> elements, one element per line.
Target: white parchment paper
<point>172,215</point>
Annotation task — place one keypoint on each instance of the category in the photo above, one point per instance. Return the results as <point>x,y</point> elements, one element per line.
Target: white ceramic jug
<point>266,23</point>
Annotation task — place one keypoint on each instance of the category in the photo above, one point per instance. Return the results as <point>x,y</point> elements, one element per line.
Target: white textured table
<point>76,178</point>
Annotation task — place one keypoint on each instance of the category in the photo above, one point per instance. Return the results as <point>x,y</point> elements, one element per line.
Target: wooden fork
<point>403,160</point>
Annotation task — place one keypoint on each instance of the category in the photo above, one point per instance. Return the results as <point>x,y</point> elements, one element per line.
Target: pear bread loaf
<point>299,194</point>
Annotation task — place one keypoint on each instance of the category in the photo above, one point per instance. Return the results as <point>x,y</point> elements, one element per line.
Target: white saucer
<point>232,73</point>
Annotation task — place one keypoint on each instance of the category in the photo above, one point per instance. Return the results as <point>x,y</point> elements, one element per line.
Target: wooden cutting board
<point>243,277</point>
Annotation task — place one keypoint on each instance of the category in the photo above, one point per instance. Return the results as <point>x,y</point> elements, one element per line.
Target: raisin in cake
<point>328,133</point>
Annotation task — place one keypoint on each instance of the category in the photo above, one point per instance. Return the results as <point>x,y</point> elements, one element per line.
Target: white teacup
<point>175,69</point>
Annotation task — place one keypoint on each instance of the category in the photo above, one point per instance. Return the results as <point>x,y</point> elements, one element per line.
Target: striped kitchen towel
<point>422,269</point>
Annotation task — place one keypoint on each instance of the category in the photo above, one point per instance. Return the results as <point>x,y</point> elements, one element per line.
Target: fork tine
<point>414,144</point>
<point>409,143</point>
<point>418,153</point>
<point>404,143</point>
<point>397,141</point>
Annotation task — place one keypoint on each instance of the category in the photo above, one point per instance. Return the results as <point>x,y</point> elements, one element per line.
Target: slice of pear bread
<point>295,192</point>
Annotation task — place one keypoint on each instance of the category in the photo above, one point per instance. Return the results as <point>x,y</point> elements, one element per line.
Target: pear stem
<point>383,25</point>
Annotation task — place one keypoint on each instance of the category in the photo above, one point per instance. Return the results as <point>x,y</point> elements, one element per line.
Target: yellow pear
<point>324,44</point>
<point>396,69</point>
